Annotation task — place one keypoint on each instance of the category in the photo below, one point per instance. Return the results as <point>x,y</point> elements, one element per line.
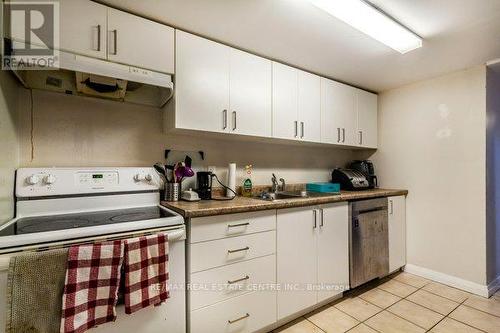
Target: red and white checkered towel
<point>146,271</point>
<point>91,287</point>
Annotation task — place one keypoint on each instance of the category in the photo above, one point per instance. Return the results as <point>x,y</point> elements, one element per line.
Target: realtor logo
<point>32,35</point>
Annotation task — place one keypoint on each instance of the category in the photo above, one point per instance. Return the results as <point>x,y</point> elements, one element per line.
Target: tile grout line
<point>444,317</point>
<point>322,330</point>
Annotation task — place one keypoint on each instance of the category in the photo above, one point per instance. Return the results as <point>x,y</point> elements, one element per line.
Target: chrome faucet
<point>283,185</point>
<point>274,189</point>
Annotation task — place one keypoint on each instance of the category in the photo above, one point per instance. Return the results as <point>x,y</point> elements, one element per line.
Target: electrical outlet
<point>211,169</point>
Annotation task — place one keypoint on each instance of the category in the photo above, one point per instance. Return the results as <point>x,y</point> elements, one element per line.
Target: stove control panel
<point>40,182</point>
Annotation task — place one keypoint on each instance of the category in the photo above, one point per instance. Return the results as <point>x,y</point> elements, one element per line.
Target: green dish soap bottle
<point>246,190</point>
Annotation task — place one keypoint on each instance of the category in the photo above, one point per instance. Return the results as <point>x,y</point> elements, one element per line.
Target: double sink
<point>290,195</point>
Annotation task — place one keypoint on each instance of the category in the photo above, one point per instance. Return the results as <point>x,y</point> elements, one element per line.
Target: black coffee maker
<point>204,183</point>
<point>366,168</point>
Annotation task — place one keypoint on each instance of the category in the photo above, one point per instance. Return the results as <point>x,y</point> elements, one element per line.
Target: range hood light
<point>367,19</point>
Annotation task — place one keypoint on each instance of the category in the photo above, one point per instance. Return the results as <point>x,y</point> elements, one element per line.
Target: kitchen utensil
<point>160,168</point>
<point>189,161</point>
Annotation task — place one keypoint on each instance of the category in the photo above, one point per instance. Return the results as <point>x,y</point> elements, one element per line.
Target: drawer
<point>222,226</point>
<point>218,284</point>
<point>242,314</point>
<point>226,251</point>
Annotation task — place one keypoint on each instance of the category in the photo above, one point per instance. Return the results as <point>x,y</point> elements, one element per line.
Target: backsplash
<point>81,131</point>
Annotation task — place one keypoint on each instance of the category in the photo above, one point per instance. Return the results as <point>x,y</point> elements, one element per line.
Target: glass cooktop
<point>30,225</point>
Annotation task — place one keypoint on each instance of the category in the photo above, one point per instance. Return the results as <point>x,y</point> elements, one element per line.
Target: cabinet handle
<point>321,223</point>
<point>301,129</point>
<point>97,39</point>
<point>315,213</point>
<point>343,135</point>
<point>238,319</point>
<point>360,137</point>
<point>391,204</point>
<point>114,33</point>
<point>338,134</point>
<point>296,128</point>
<point>234,120</point>
<point>246,248</point>
<point>224,119</point>
<point>238,280</point>
<point>238,225</point>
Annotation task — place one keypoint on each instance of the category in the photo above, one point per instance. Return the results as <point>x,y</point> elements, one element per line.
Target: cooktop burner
<point>89,219</point>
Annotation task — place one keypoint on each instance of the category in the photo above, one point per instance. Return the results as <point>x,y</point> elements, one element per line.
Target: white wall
<point>493,172</point>
<point>432,142</point>
<point>79,131</point>
<point>9,145</point>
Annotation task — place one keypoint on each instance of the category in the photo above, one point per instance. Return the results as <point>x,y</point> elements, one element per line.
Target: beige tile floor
<point>403,303</point>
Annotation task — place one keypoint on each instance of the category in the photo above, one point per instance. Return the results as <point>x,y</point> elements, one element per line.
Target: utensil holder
<point>172,191</point>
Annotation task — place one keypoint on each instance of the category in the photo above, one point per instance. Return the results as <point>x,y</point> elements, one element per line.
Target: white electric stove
<point>58,207</point>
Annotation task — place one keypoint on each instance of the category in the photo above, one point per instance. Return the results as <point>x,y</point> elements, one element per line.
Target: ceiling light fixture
<point>369,20</point>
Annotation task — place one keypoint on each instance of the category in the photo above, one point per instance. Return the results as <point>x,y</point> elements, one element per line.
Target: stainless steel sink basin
<point>288,195</point>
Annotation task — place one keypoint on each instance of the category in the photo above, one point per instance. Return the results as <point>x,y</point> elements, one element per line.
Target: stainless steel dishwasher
<point>368,241</point>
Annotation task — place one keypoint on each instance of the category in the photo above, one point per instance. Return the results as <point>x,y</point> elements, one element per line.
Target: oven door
<point>168,317</point>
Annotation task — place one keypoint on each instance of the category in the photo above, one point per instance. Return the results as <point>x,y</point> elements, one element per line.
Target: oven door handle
<point>176,235</point>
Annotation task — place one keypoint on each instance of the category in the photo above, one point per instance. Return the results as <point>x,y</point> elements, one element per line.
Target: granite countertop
<point>244,204</point>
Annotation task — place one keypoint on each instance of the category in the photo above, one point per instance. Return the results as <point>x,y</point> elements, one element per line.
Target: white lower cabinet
<point>232,272</point>
<point>312,256</point>
<point>243,314</point>
<point>397,232</point>
<point>231,280</point>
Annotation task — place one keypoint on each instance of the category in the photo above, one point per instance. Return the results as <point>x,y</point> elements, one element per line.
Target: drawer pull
<point>246,248</point>
<point>238,319</point>
<point>238,225</point>
<point>239,280</point>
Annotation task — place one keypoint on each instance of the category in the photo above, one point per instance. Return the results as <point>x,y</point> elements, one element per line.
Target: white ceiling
<point>457,34</point>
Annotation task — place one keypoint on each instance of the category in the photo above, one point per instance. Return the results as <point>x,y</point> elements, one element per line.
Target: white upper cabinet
<point>83,28</point>
<point>285,108</point>
<point>220,89</point>
<point>250,94</point>
<point>202,84</point>
<point>135,41</point>
<point>367,105</point>
<point>309,106</point>
<point>296,104</point>
<point>338,113</point>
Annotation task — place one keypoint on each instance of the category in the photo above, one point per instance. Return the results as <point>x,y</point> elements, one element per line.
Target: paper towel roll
<point>231,179</point>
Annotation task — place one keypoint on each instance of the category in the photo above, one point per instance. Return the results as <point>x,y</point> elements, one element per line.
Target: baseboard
<point>494,286</point>
<point>452,281</point>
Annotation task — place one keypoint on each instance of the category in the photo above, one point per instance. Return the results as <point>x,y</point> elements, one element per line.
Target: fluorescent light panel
<point>367,19</point>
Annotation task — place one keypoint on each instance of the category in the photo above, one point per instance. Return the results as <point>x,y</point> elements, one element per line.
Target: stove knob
<point>50,179</point>
<point>148,177</point>
<point>33,180</point>
<point>138,177</point>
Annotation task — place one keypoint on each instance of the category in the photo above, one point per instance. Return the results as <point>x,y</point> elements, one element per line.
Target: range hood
<point>80,75</point>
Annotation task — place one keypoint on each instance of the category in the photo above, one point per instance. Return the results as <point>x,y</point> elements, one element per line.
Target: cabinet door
<point>367,105</point>
<point>333,250</point>
<point>397,232</point>
<point>309,106</point>
<point>285,108</point>
<point>296,259</point>
<point>250,94</point>
<point>83,28</point>
<point>135,41</point>
<point>338,113</point>
<point>202,84</point>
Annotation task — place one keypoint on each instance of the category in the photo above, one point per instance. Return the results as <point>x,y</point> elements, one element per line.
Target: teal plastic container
<point>323,187</point>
